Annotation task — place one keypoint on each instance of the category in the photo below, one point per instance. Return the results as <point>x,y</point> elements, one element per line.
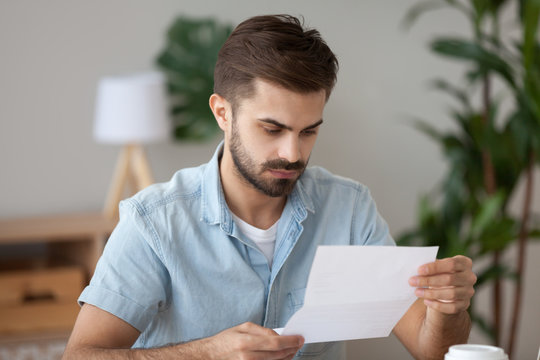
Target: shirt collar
<point>214,209</point>
<point>212,197</point>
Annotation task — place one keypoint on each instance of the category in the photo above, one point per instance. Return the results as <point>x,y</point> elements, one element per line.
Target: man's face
<point>272,135</point>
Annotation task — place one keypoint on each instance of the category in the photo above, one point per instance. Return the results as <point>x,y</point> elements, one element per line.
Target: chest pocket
<point>296,301</point>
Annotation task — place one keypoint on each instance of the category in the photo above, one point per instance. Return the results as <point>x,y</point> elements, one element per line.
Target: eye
<point>309,132</point>
<point>272,131</point>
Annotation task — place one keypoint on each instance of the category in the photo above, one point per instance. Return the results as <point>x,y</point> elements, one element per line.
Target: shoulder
<point>333,191</point>
<point>332,194</point>
<point>185,185</point>
<point>319,181</point>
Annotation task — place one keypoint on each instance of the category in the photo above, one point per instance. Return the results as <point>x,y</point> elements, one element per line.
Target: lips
<point>283,174</point>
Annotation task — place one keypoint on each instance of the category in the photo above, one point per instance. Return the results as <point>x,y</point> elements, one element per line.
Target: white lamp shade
<point>132,109</point>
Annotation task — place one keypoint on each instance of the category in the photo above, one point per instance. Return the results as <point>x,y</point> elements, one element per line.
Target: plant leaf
<point>459,94</point>
<point>534,234</point>
<point>488,211</point>
<point>498,235</point>
<point>407,238</point>
<point>424,127</point>
<point>480,8</point>
<point>531,12</point>
<point>483,59</point>
<point>490,273</point>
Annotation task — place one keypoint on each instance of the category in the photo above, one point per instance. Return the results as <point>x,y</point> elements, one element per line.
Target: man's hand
<point>446,285</point>
<point>251,341</point>
<point>438,319</point>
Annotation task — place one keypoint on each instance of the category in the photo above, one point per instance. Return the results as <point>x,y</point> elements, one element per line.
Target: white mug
<point>475,352</point>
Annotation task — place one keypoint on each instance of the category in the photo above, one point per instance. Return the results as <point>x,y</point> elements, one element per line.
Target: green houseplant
<point>188,61</point>
<point>489,152</point>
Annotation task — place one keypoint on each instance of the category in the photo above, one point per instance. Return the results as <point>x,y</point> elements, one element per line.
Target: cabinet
<point>45,262</point>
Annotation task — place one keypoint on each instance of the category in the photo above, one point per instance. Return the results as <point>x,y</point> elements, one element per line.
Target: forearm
<point>244,341</point>
<point>195,350</point>
<point>440,331</point>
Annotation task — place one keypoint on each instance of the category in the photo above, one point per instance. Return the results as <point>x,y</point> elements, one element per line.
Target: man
<point>204,266</point>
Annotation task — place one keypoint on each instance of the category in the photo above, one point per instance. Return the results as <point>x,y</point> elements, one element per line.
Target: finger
<point>258,338</point>
<point>254,329</point>
<point>291,356</point>
<point>448,307</point>
<point>448,265</point>
<point>446,294</point>
<point>278,343</point>
<point>444,280</point>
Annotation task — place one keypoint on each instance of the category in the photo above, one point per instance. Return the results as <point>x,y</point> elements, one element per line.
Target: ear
<point>222,111</point>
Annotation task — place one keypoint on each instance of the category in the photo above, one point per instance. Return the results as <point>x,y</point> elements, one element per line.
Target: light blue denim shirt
<point>177,267</point>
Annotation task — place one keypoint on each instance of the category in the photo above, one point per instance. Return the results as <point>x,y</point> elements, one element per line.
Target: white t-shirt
<point>264,239</point>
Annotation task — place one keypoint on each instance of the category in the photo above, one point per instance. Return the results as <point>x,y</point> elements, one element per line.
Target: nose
<point>290,149</point>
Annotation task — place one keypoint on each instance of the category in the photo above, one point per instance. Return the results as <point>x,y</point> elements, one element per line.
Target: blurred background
<point>54,53</point>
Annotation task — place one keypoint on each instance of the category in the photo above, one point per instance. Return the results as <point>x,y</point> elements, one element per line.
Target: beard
<point>252,173</point>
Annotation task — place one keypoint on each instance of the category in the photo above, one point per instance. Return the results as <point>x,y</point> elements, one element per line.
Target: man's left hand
<point>446,285</point>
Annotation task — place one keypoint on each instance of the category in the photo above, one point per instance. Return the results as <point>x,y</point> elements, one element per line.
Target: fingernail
<point>419,292</point>
<point>413,281</point>
<point>422,270</point>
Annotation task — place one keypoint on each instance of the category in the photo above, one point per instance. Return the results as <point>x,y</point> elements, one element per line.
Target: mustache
<point>282,164</point>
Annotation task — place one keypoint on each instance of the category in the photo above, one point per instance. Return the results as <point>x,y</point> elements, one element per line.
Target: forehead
<point>269,100</point>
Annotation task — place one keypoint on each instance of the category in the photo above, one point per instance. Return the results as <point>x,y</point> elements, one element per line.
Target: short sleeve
<point>130,280</point>
<point>368,226</point>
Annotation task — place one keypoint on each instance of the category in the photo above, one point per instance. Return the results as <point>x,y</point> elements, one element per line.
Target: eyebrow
<point>283,126</point>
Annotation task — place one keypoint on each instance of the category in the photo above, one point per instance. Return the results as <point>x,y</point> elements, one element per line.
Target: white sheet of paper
<point>357,292</point>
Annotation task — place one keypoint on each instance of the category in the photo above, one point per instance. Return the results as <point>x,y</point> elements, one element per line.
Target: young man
<point>204,266</point>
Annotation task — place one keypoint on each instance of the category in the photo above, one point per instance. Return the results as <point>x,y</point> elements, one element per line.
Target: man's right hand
<point>100,335</point>
<point>251,341</point>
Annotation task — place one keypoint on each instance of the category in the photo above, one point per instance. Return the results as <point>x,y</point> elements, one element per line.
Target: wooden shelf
<point>34,337</point>
<point>54,227</point>
<point>41,293</point>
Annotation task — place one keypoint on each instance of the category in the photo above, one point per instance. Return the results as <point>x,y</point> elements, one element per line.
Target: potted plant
<point>188,61</point>
<point>489,153</point>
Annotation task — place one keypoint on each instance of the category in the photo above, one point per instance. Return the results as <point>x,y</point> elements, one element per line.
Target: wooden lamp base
<point>132,171</point>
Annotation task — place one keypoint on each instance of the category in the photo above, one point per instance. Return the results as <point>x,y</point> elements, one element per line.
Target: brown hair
<point>275,48</point>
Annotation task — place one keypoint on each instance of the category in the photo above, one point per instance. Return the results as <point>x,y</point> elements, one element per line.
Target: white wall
<point>53,53</point>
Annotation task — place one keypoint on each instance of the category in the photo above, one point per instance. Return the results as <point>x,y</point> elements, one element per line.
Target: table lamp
<point>130,111</point>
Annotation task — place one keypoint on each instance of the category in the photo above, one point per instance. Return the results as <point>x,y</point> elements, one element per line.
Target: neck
<point>246,202</point>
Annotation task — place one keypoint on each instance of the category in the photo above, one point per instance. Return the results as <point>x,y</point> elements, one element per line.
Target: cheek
<point>307,146</point>
<point>259,148</point>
